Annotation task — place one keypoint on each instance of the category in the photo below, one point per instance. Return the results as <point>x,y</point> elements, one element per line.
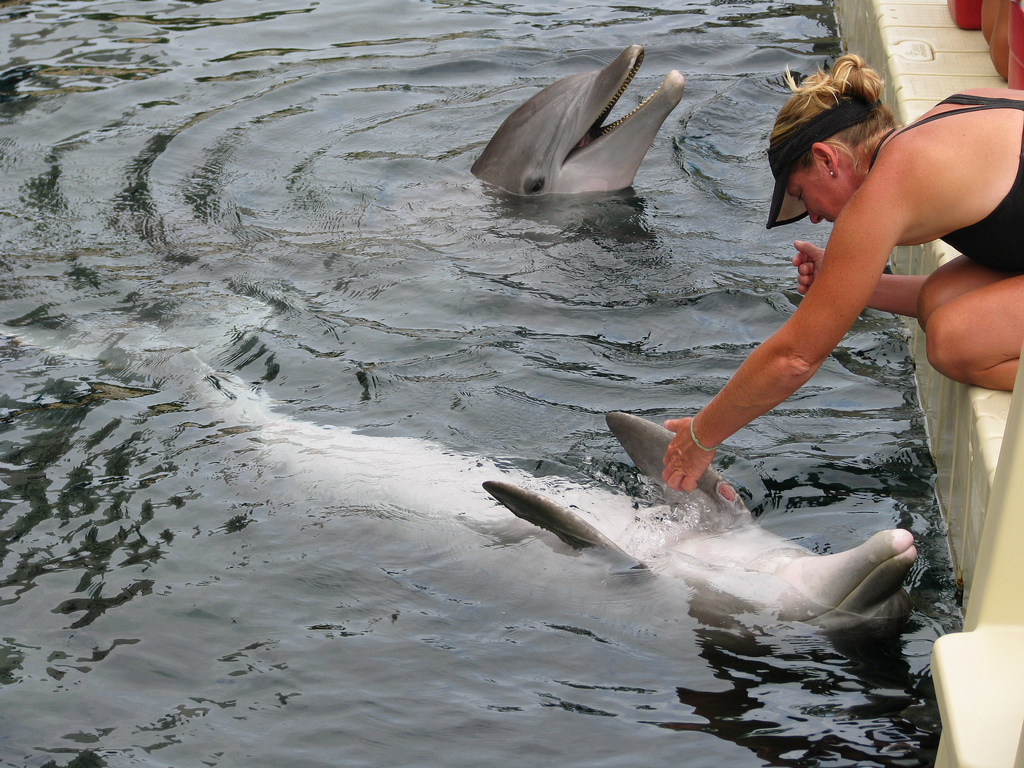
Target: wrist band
<point>696,441</point>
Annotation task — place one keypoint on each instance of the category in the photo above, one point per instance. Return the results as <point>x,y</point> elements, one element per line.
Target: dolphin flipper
<point>543,512</point>
<point>646,442</point>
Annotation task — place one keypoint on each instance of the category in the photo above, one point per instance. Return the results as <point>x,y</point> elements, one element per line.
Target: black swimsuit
<point>997,241</point>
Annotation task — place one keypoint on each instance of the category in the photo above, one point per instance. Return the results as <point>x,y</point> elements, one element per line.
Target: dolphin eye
<point>536,187</point>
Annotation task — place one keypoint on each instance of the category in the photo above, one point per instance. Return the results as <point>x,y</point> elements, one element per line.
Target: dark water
<point>213,209</point>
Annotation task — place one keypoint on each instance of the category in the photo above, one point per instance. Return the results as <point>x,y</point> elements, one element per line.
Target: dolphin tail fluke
<point>546,514</point>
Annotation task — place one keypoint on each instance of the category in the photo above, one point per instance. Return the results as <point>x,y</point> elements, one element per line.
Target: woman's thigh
<point>974,324</point>
<point>950,281</point>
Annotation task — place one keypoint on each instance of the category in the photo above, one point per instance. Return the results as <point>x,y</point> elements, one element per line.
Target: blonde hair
<point>849,78</point>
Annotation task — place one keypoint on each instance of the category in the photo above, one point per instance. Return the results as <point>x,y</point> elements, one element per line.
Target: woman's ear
<point>825,157</point>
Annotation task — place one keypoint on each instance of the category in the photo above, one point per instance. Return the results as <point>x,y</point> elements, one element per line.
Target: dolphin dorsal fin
<point>543,512</point>
<point>646,442</point>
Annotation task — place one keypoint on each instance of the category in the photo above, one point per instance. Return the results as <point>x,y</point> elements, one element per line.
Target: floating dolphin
<point>555,142</point>
<point>709,539</point>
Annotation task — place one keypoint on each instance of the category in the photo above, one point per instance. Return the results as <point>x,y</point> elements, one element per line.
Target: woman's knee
<point>935,292</point>
<point>948,340</point>
<point>949,282</point>
<point>938,290</point>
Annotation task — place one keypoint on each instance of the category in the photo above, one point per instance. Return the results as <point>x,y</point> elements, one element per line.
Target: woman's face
<point>825,186</point>
<point>816,194</point>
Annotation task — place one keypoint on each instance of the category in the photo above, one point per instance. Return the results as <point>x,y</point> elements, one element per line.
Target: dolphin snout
<point>903,541</point>
<point>674,79</point>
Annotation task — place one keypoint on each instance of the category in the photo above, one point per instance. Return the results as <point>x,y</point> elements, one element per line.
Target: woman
<point>956,174</point>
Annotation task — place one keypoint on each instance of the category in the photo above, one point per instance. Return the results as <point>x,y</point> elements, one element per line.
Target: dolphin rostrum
<point>556,141</point>
<point>709,539</point>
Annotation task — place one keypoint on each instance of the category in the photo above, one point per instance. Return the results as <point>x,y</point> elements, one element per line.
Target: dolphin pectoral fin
<point>646,442</point>
<point>546,514</point>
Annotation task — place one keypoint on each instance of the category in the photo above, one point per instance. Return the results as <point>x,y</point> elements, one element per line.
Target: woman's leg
<point>973,318</point>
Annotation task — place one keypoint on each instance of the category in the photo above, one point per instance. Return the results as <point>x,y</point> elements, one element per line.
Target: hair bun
<point>850,77</point>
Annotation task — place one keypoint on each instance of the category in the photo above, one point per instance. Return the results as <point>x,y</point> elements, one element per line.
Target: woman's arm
<point>897,294</point>
<point>779,366</point>
<point>894,293</point>
<point>767,377</point>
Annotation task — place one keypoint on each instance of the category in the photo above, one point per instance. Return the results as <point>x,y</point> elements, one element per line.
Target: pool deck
<point>974,433</point>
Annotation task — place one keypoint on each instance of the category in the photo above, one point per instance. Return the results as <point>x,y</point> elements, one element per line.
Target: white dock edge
<point>979,673</point>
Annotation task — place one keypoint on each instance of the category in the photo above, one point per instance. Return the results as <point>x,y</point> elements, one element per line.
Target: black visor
<point>785,208</point>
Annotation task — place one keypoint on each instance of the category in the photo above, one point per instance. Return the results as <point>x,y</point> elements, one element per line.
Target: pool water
<point>218,214</point>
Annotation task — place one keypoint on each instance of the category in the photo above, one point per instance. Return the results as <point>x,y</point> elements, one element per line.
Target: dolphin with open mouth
<point>709,540</point>
<point>557,142</point>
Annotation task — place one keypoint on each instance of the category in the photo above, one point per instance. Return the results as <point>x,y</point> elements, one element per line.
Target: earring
<point>832,173</point>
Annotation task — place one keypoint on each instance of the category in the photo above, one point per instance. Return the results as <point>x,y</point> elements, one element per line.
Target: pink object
<point>966,13</point>
<point>1016,72</point>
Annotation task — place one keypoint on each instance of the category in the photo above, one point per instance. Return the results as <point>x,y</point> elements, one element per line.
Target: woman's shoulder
<point>944,172</point>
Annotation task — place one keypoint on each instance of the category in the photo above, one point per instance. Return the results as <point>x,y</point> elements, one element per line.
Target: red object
<point>966,13</point>
<point>1016,74</point>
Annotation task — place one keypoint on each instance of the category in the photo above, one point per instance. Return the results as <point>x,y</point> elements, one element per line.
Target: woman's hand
<point>684,461</point>
<point>807,262</point>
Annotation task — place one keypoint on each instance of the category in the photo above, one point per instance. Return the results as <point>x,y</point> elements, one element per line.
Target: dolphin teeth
<point>602,130</point>
<point>597,129</point>
<point>612,126</point>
